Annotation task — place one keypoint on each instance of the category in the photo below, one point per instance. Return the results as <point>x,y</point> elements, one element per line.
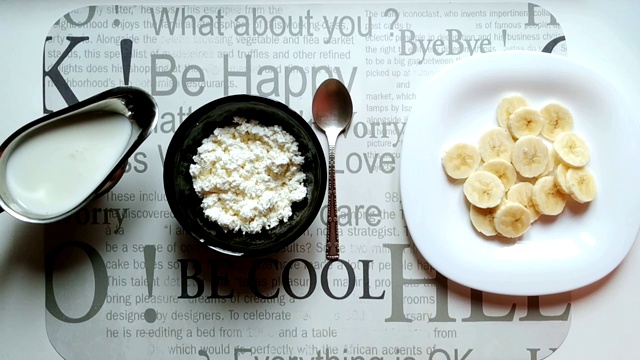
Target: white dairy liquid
<point>55,167</point>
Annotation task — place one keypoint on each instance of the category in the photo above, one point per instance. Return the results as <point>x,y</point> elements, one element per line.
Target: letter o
<point>90,15</point>
<point>313,279</point>
<point>272,25</point>
<point>439,351</point>
<point>359,164</point>
<point>353,26</point>
<point>100,277</point>
<point>356,130</point>
<point>351,278</point>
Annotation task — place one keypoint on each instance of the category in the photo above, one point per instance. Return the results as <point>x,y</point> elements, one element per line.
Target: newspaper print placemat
<point>124,281</point>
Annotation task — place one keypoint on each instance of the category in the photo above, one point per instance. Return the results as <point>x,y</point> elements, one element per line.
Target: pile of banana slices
<point>528,166</point>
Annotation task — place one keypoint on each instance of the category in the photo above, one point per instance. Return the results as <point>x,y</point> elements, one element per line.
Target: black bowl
<point>185,202</point>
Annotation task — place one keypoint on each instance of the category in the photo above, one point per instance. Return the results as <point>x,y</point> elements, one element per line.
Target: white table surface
<point>602,34</point>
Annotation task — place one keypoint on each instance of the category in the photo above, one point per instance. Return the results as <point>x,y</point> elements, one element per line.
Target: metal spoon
<point>332,112</point>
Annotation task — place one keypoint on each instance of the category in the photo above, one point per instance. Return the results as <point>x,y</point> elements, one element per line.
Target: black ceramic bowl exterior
<point>185,203</point>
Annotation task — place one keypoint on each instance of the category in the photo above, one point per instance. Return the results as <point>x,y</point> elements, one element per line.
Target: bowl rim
<point>176,142</point>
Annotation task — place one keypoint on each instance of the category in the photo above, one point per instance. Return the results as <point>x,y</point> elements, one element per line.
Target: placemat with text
<point>123,279</point>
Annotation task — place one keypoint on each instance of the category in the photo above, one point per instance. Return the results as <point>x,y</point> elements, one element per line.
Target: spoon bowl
<point>332,106</point>
<point>332,111</point>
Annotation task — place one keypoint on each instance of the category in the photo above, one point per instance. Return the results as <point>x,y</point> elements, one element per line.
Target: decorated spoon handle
<point>333,251</point>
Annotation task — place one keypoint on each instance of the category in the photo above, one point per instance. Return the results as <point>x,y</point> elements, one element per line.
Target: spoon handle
<point>333,251</point>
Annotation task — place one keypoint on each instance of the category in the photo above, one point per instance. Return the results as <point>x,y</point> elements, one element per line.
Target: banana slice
<point>461,160</point>
<point>556,119</point>
<point>512,220</point>
<point>483,189</point>
<point>499,203</point>
<point>525,121</point>
<point>507,106</point>
<point>546,197</point>
<point>522,193</point>
<point>560,178</point>
<point>581,185</point>
<point>572,149</point>
<point>503,170</point>
<point>552,162</point>
<point>530,156</point>
<point>482,220</point>
<point>495,144</point>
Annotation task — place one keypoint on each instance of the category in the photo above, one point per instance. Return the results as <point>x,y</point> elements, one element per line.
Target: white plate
<point>581,245</point>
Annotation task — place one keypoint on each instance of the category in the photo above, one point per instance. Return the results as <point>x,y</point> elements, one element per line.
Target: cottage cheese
<point>248,176</point>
